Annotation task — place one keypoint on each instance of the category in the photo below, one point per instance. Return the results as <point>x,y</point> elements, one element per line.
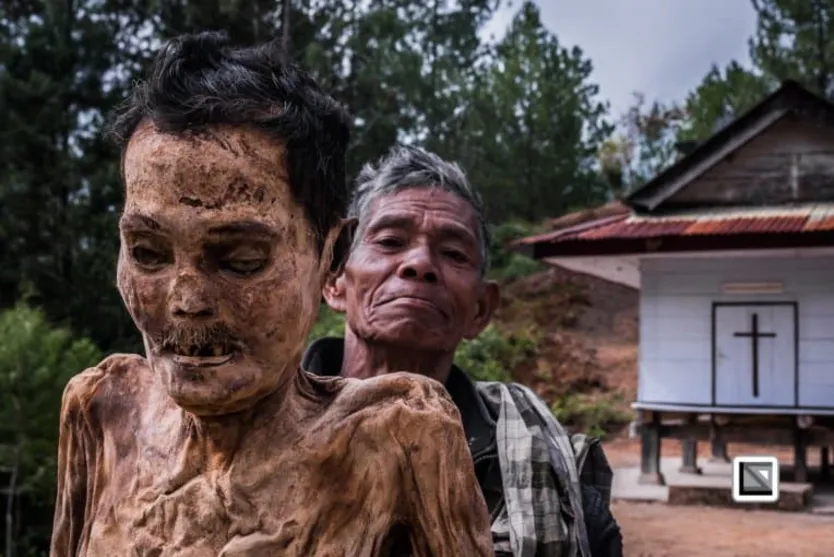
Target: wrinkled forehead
<point>219,168</point>
<point>428,209</point>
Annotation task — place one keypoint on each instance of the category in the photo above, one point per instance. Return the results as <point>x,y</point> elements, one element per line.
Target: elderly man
<point>412,289</point>
<point>215,443</point>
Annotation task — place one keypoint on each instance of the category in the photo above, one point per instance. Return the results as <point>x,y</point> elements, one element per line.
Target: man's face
<point>413,280</point>
<point>218,264</point>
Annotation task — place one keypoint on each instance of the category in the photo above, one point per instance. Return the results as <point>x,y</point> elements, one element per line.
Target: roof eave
<point>527,245</point>
<point>682,244</point>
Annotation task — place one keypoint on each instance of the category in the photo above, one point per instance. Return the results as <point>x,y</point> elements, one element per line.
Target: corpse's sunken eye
<point>242,261</point>
<point>150,257</point>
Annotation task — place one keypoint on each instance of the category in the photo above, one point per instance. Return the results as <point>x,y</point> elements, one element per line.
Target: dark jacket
<point>324,357</point>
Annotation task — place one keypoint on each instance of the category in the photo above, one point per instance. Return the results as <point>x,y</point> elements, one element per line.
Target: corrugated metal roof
<point>614,208</point>
<point>703,222</point>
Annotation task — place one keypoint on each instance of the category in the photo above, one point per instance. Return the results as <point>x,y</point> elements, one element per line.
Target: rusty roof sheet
<point>614,208</point>
<point>706,222</point>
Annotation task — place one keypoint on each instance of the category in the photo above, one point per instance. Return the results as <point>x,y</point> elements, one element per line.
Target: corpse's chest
<point>310,503</point>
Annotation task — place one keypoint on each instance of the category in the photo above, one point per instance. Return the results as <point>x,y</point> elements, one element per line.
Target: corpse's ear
<point>488,300</point>
<point>336,250</point>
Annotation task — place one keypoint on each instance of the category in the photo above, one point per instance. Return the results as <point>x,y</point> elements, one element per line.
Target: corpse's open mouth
<point>203,354</point>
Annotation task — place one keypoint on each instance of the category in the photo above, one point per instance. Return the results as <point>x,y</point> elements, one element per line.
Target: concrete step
<point>793,497</point>
<point>713,486</point>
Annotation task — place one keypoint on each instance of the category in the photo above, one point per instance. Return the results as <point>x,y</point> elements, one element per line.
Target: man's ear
<point>488,301</point>
<point>336,250</point>
<point>334,293</point>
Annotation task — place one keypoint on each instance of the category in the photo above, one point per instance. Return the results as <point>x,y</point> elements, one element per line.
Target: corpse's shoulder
<point>99,390</point>
<point>400,399</point>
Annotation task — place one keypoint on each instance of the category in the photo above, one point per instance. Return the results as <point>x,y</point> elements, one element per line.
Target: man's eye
<point>390,242</point>
<point>147,257</point>
<point>244,266</point>
<point>456,256</point>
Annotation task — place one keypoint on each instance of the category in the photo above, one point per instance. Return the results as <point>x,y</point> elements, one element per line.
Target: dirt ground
<point>589,329</point>
<point>657,530</point>
<point>660,530</point>
<point>587,332</point>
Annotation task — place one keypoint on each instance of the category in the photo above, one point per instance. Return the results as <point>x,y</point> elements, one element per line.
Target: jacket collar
<point>324,357</point>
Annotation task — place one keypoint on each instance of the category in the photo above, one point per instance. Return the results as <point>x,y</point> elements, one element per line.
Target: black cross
<point>754,334</point>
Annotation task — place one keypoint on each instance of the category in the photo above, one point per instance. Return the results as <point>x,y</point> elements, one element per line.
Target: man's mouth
<point>203,355</point>
<point>416,301</point>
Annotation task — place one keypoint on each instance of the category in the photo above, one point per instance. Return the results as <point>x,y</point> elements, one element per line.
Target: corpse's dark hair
<point>200,80</point>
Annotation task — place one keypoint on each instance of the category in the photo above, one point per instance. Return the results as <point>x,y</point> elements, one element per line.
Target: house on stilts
<point>732,249</point>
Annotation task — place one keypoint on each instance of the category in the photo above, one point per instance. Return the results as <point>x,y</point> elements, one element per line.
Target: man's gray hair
<point>407,167</point>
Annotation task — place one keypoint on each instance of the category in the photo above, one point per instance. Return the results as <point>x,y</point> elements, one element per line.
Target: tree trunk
<point>286,42</point>
<point>10,498</point>
<point>821,25</point>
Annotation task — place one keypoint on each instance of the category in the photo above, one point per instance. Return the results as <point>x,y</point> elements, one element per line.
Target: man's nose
<point>419,265</point>
<point>191,299</point>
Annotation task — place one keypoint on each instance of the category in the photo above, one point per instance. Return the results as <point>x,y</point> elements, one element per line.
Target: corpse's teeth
<point>203,351</point>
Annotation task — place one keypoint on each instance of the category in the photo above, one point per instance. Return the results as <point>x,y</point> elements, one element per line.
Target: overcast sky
<point>659,47</point>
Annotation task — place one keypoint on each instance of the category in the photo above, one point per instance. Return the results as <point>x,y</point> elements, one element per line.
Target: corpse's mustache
<point>180,337</point>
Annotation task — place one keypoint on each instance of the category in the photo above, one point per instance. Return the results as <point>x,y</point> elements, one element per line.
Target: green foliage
<point>492,355</point>
<point>505,232</point>
<point>36,361</point>
<point>59,187</point>
<point>644,146</point>
<point>794,39</point>
<point>416,60</point>
<point>730,91</point>
<point>594,415</point>
<point>505,264</point>
<point>328,324</point>
<point>533,125</point>
<point>519,266</point>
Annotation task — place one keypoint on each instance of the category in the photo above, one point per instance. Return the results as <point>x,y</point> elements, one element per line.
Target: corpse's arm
<point>70,506</point>
<point>448,514</point>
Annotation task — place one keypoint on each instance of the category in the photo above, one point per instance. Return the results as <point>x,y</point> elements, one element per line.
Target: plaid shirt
<point>539,461</point>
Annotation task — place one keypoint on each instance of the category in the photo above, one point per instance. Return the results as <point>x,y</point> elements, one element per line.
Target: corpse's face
<point>218,266</point>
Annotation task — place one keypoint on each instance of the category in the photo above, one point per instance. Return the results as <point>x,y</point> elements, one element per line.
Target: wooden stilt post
<point>718,447</point>
<point>650,443</point>
<point>800,456</point>
<point>825,463</point>
<point>689,450</point>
